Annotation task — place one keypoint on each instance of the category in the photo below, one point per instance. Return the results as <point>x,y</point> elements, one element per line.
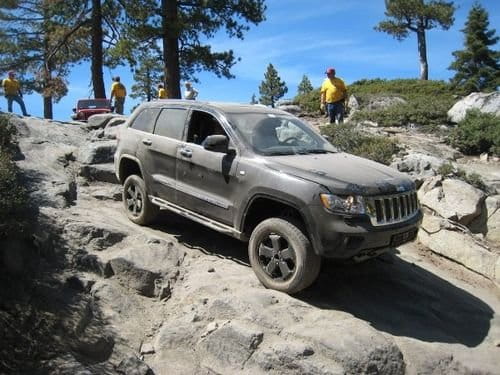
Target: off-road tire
<point>306,263</point>
<point>137,205</point>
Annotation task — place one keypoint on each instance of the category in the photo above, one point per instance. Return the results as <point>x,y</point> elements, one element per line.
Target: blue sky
<point>303,37</point>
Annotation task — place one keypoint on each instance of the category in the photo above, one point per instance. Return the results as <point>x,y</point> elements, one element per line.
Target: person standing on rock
<point>119,92</point>
<point>333,96</point>
<point>162,93</point>
<point>12,90</point>
<point>190,93</point>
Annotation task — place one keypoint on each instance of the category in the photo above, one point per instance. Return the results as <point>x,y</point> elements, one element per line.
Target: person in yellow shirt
<point>333,96</point>
<point>162,93</point>
<point>12,91</point>
<point>119,92</point>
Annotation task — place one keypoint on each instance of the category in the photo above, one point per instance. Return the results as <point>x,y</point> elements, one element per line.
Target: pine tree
<point>305,86</point>
<point>405,16</point>
<point>272,88</point>
<point>254,99</point>
<point>41,40</point>
<point>477,66</point>
<point>182,26</point>
<point>147,75</point>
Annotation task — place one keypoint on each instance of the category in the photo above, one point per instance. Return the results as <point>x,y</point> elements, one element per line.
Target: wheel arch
<point>128,166</point>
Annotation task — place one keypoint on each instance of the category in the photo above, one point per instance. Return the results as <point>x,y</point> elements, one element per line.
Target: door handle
<point>186,153</point>
<point>147,142</point>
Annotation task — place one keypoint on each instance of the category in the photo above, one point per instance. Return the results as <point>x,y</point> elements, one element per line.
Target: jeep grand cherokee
<point>266,177</point>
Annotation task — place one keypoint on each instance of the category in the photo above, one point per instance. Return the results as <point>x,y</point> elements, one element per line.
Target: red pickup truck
<point>88,107</point>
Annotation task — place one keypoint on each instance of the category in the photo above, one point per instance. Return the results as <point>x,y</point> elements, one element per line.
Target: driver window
<point>202,125</point>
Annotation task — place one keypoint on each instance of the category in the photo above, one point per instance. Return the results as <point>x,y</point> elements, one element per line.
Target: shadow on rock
<point>402,299</point>
<point>199,237</point>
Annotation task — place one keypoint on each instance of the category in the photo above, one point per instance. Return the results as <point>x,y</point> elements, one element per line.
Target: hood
<point>343,173</point>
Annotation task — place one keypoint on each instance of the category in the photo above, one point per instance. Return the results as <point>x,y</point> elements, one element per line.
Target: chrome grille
<point>391,209</point>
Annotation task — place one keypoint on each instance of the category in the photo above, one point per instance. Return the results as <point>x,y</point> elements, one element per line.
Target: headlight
<point>350,204</point>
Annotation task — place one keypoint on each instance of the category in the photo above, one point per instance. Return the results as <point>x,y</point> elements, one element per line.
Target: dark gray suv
<point>266,177</point>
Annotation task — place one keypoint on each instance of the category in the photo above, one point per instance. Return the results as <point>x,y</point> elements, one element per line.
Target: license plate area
<point>401,238</point>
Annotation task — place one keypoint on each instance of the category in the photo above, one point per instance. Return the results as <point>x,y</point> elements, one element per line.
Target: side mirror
<point>74,110</point>
<point>217,143</point>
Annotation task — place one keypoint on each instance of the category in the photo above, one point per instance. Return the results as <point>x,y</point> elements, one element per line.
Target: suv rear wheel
<point>282,257</point>
<point>137,205</point>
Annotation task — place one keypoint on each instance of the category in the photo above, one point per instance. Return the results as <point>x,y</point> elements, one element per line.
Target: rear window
<point>171,123</point>
<point>145,120</point>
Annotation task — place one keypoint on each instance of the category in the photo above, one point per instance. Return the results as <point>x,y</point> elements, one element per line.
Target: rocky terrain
<point>92,293</point>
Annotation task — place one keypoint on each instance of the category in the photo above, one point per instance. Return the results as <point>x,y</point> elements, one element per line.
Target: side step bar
<point>213,224</point>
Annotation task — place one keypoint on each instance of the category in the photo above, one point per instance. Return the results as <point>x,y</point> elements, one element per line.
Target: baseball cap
<point>330,70</point>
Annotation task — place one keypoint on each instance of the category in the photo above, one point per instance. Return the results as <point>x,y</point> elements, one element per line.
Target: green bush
<point>477,133</point>
<point>309,102</point>
<point>424,111</point>
<point>346,138</point>
<point>427,102</point>
<point>13,196</point>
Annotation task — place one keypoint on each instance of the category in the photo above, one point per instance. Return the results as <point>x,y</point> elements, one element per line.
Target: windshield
<point>277,134</point>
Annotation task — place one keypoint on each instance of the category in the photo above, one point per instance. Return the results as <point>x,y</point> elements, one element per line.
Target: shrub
<point>346,138</point>
<point>13,196</point>
<point>477,133</point>
<point>309,102</point>
<point>427,102</point>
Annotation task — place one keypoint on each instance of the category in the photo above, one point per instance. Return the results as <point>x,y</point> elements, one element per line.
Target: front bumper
<point>342,237</point>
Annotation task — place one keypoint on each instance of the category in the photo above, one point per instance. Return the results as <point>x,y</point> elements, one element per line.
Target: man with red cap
<point>12,91</point>
<point>333,95</point>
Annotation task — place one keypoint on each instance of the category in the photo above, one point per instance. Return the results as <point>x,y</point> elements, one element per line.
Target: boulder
<point>97,152</point>
<point>366,351</point>
<point>99,172</point>
<point>291,108</point>
<point>92,235</point>
<point>133,277</point>
<point>133,366</point>
<point>442,238</point>
<point>485,102</point>
<point>100,121</point>
<point>229,347</point>
<point>493,219</point>
<point>384,102</point>
<point>353,103</point>
<point>453,199</point>
<point>418,164</point>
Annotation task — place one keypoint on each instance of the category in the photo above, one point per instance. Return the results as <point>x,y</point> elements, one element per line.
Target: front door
<point>206,180</point>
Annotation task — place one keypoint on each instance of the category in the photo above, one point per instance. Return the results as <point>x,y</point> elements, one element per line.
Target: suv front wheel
<point>135,199</point>
<point>282,257</point>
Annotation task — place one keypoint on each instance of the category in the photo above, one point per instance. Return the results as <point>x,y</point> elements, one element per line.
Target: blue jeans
<point>18,100</point>
<point>119,102</point>
<point>335,111</point>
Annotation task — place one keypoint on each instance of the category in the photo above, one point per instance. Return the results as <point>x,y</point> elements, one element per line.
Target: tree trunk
<point>170,30</point>
<point>97,54</point>
<point>47,71</point>
<point>47,107</point>
<point>422,54</point>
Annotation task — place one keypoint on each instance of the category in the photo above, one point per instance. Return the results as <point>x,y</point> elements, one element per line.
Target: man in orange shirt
<point>333,95</point>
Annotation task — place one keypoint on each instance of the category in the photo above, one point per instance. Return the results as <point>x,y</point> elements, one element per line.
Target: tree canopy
<point>477,66</point>
<point>405,16</point>
<point>183,27</point>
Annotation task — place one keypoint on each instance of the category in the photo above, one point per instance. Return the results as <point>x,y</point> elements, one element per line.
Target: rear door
<point>163,150</point>
<point>206,180</point>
